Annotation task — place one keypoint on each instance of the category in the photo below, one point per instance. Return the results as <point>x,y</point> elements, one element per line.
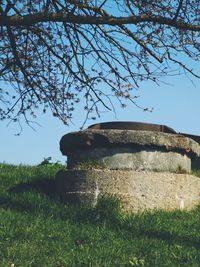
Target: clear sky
<point>176,104</point>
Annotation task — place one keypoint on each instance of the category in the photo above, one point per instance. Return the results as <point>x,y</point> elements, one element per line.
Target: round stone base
<point>137,190</point>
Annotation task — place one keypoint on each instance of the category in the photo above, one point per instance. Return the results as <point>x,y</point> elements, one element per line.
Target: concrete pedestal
<point>137,190</point>
<point>144,169</point>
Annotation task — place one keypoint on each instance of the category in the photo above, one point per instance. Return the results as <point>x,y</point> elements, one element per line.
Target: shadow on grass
<point>173,238</point>
<point>101,215</point>
<point>14,204</point>
<point>44,186</point>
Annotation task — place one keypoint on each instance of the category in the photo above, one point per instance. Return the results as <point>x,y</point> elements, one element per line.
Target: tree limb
<point>31,19</point>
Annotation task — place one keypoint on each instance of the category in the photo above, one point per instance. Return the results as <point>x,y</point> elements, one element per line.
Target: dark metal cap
<point>137,126</point>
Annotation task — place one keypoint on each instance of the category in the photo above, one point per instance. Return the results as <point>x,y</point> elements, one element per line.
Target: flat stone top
<point>92,138</point>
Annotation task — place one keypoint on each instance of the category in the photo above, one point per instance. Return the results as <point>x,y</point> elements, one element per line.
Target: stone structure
<point>144,168</point>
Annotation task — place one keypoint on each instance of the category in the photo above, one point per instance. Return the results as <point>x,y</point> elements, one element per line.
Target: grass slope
<point>36,229</point>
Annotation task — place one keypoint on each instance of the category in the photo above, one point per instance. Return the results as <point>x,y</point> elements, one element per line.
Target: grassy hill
<point>38,230</point>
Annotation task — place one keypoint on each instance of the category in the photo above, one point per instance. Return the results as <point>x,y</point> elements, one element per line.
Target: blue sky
<point>176,104</point>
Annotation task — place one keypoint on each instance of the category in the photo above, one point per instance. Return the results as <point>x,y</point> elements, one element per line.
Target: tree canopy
<point>57,53</point>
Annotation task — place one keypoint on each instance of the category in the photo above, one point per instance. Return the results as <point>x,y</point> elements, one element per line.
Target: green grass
<point>37,229</point>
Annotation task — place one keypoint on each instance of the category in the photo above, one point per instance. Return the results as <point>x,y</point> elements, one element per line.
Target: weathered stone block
<point>138,191</point>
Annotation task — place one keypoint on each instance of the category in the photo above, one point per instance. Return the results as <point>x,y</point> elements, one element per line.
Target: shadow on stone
<point>196,163</point>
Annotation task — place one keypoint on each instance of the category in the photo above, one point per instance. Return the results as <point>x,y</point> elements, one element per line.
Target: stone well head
<point>140,163</point>
<point>132,146</point>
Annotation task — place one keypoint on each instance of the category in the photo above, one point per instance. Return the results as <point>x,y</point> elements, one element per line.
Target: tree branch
<point>141,43</point>
<point>31,19</point>
<point>183,66</point>
<point>178,10</point>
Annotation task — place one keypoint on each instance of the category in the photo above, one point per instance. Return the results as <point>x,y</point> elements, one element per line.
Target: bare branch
<point>178,9</point>
<point>32,19</point>
<point>57,54</point>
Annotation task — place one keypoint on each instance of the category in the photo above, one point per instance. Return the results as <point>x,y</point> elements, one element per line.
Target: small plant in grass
<point>90,165</point>
<point>181,170</point>
<point>196,172</point>
<point>136,262</point>
<point>47,161</point>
